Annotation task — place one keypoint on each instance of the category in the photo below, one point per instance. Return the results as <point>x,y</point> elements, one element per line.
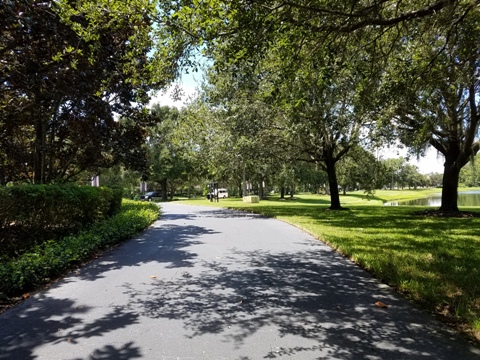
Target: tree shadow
<point>109,352</point>
<point>305,295</point>
<point>48,320</point>
<point>316,302</point>
<point>167,243</point>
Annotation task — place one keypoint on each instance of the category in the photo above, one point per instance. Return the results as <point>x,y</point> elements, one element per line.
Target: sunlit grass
<point>432,261</point>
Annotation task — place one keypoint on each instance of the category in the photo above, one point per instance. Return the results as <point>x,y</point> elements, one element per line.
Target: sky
<point>432,162</point>
<point>188,83</point>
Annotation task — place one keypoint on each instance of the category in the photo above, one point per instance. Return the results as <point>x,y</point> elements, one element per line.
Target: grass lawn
<point>433,261</point>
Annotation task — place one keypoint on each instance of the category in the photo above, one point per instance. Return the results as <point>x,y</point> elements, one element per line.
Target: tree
<point>321,93</point>
<point>434,179</point>
<point>358,170</point>
<point>436,97</point>
<point>409,176</point>
<point>391,170</point>
<point>119,177</point>
<point>168,161</point>
<point>244,142</point>
<point>418,42</point>
<point>470,174</point>
<point>66,68</point>
<point>319,88</point>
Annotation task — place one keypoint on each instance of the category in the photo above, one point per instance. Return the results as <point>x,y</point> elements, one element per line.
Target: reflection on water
<point>465,198</point>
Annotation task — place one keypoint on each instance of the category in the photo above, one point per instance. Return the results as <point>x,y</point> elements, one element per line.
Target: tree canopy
<point>69,71</point>
<point>416,64</point>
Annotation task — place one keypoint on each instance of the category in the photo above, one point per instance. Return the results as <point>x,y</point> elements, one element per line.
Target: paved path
<point>206,283</point>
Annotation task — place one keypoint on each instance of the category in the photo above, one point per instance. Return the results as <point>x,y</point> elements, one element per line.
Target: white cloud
<point>432,162</point>
<point>187,85</point>
<point>167,98</point>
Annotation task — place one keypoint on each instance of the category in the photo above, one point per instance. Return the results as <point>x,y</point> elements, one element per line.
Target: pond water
<point>465,198</point>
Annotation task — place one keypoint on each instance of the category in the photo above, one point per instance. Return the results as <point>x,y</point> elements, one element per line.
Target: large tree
<point>169,163</point>
<point>246,143</point>
<point>68,71</point>
<point>435,96</point>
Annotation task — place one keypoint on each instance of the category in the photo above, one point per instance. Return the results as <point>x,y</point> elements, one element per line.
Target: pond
<point>465,198</point>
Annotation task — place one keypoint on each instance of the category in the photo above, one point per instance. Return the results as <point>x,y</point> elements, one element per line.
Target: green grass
<point>433,261</point>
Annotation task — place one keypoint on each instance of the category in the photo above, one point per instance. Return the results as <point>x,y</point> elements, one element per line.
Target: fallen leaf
<point>381,305</point>
<point>26,296</point>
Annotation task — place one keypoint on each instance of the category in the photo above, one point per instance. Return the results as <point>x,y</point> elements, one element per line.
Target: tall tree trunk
<point>39,159</point>
<point>282,192</point>
<point>163,184</point>
<point>3,178</point>
<point>333,184</point>
<point>451,174</point>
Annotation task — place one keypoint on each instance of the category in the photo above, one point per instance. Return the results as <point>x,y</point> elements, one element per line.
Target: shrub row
<point>30,214</point>
<point>37,206</point>
<point>55,257</point>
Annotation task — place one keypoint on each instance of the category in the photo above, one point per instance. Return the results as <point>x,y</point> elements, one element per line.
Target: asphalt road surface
<point>205,283</point>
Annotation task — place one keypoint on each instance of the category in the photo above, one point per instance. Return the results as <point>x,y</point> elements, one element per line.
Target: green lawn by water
<point>434,262</point>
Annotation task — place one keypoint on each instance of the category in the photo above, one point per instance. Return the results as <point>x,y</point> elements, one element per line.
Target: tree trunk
<point>39,157</point>
<point>163,184</point>
<point>333,184</point>
<point>451,174</point>
<point>3,177</point>
<point>282,192</point>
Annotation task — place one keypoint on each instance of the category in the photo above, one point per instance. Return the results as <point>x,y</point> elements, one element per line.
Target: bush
<point>31,214</point>
<point>55,257</point>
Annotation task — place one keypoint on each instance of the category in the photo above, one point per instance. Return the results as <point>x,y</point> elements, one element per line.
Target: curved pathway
<point>205,283</point>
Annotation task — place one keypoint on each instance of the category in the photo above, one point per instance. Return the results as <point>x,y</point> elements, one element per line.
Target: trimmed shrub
<point>55,257</point>
<point>31,214</point>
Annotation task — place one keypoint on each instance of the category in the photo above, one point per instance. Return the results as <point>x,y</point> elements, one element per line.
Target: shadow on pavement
<point>56,321</point>
<point>229,214</point>
<point>61,320</point>
<point>109,352</point>
<point>320,306</point>
<point>300,294</point>
<point>169,244</point>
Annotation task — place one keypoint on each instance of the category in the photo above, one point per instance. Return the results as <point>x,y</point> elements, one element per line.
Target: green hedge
<point>31,214</point>
<point>55,257</point>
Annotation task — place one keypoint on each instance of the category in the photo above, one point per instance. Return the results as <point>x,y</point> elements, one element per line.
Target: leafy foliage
<point>67,67</point>
<point>470,174</point>
<point>169,160</point>
<point>55,257</point>
<point>31,214</point>
<point>336,61</point>
<point>434,88</point>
